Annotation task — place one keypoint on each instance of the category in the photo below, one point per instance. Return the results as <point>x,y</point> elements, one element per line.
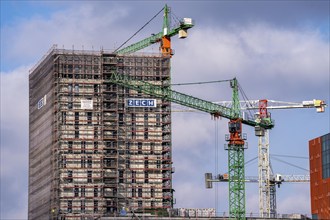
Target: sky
<point>278,50</point>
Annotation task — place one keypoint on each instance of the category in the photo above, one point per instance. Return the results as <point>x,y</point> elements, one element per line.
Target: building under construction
<point>96,148</point>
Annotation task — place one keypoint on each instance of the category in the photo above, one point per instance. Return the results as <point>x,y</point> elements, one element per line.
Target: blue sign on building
<point>144,103</point>
<point>42,102</point>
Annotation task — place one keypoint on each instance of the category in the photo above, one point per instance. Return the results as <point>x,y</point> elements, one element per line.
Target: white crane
<point>266,179</point>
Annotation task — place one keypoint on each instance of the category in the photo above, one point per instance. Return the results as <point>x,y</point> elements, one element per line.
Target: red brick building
<point>319,157</point>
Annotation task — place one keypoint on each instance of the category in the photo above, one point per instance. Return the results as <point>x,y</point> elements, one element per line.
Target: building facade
<point>319,156</point>
<point>92,153</point>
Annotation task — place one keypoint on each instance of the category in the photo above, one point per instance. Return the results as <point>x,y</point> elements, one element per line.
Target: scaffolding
<point>90,154</point>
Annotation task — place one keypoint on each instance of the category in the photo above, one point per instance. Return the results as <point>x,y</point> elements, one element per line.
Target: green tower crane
<point>235,138</point>
<point>163,37</point>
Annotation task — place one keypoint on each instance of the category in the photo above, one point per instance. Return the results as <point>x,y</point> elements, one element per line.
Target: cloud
<point>282,14</point>
<point>14,92</point>
<point>252,199</point>
<point>82,27</point>
<point>297,199</point>
<point>196,191</point>
<point>14,143</point>
<point>259,55</point>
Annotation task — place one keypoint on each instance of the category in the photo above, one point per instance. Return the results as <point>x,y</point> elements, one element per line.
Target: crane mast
<point>267,190</point>
<point>236,169</point>
<point>165,45</point>
<point>267,196</point>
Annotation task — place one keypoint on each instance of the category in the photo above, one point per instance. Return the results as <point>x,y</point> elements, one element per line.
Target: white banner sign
<point>86,104</point>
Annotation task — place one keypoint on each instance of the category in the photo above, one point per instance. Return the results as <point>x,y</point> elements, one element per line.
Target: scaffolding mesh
<point>90,153</point>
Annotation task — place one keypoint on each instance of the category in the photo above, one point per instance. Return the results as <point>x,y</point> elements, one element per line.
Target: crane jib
<point>166,93</point>
<point>153,39</point>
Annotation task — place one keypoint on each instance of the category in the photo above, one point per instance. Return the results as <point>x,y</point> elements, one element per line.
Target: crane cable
<point>247,162</point>
<point>290,164</point>
<point>271,168</point>
<point>195,83</point>
<point>175,18</point>
<point>284,155</point>
<point>246,99</point>
<point>139,30</point>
